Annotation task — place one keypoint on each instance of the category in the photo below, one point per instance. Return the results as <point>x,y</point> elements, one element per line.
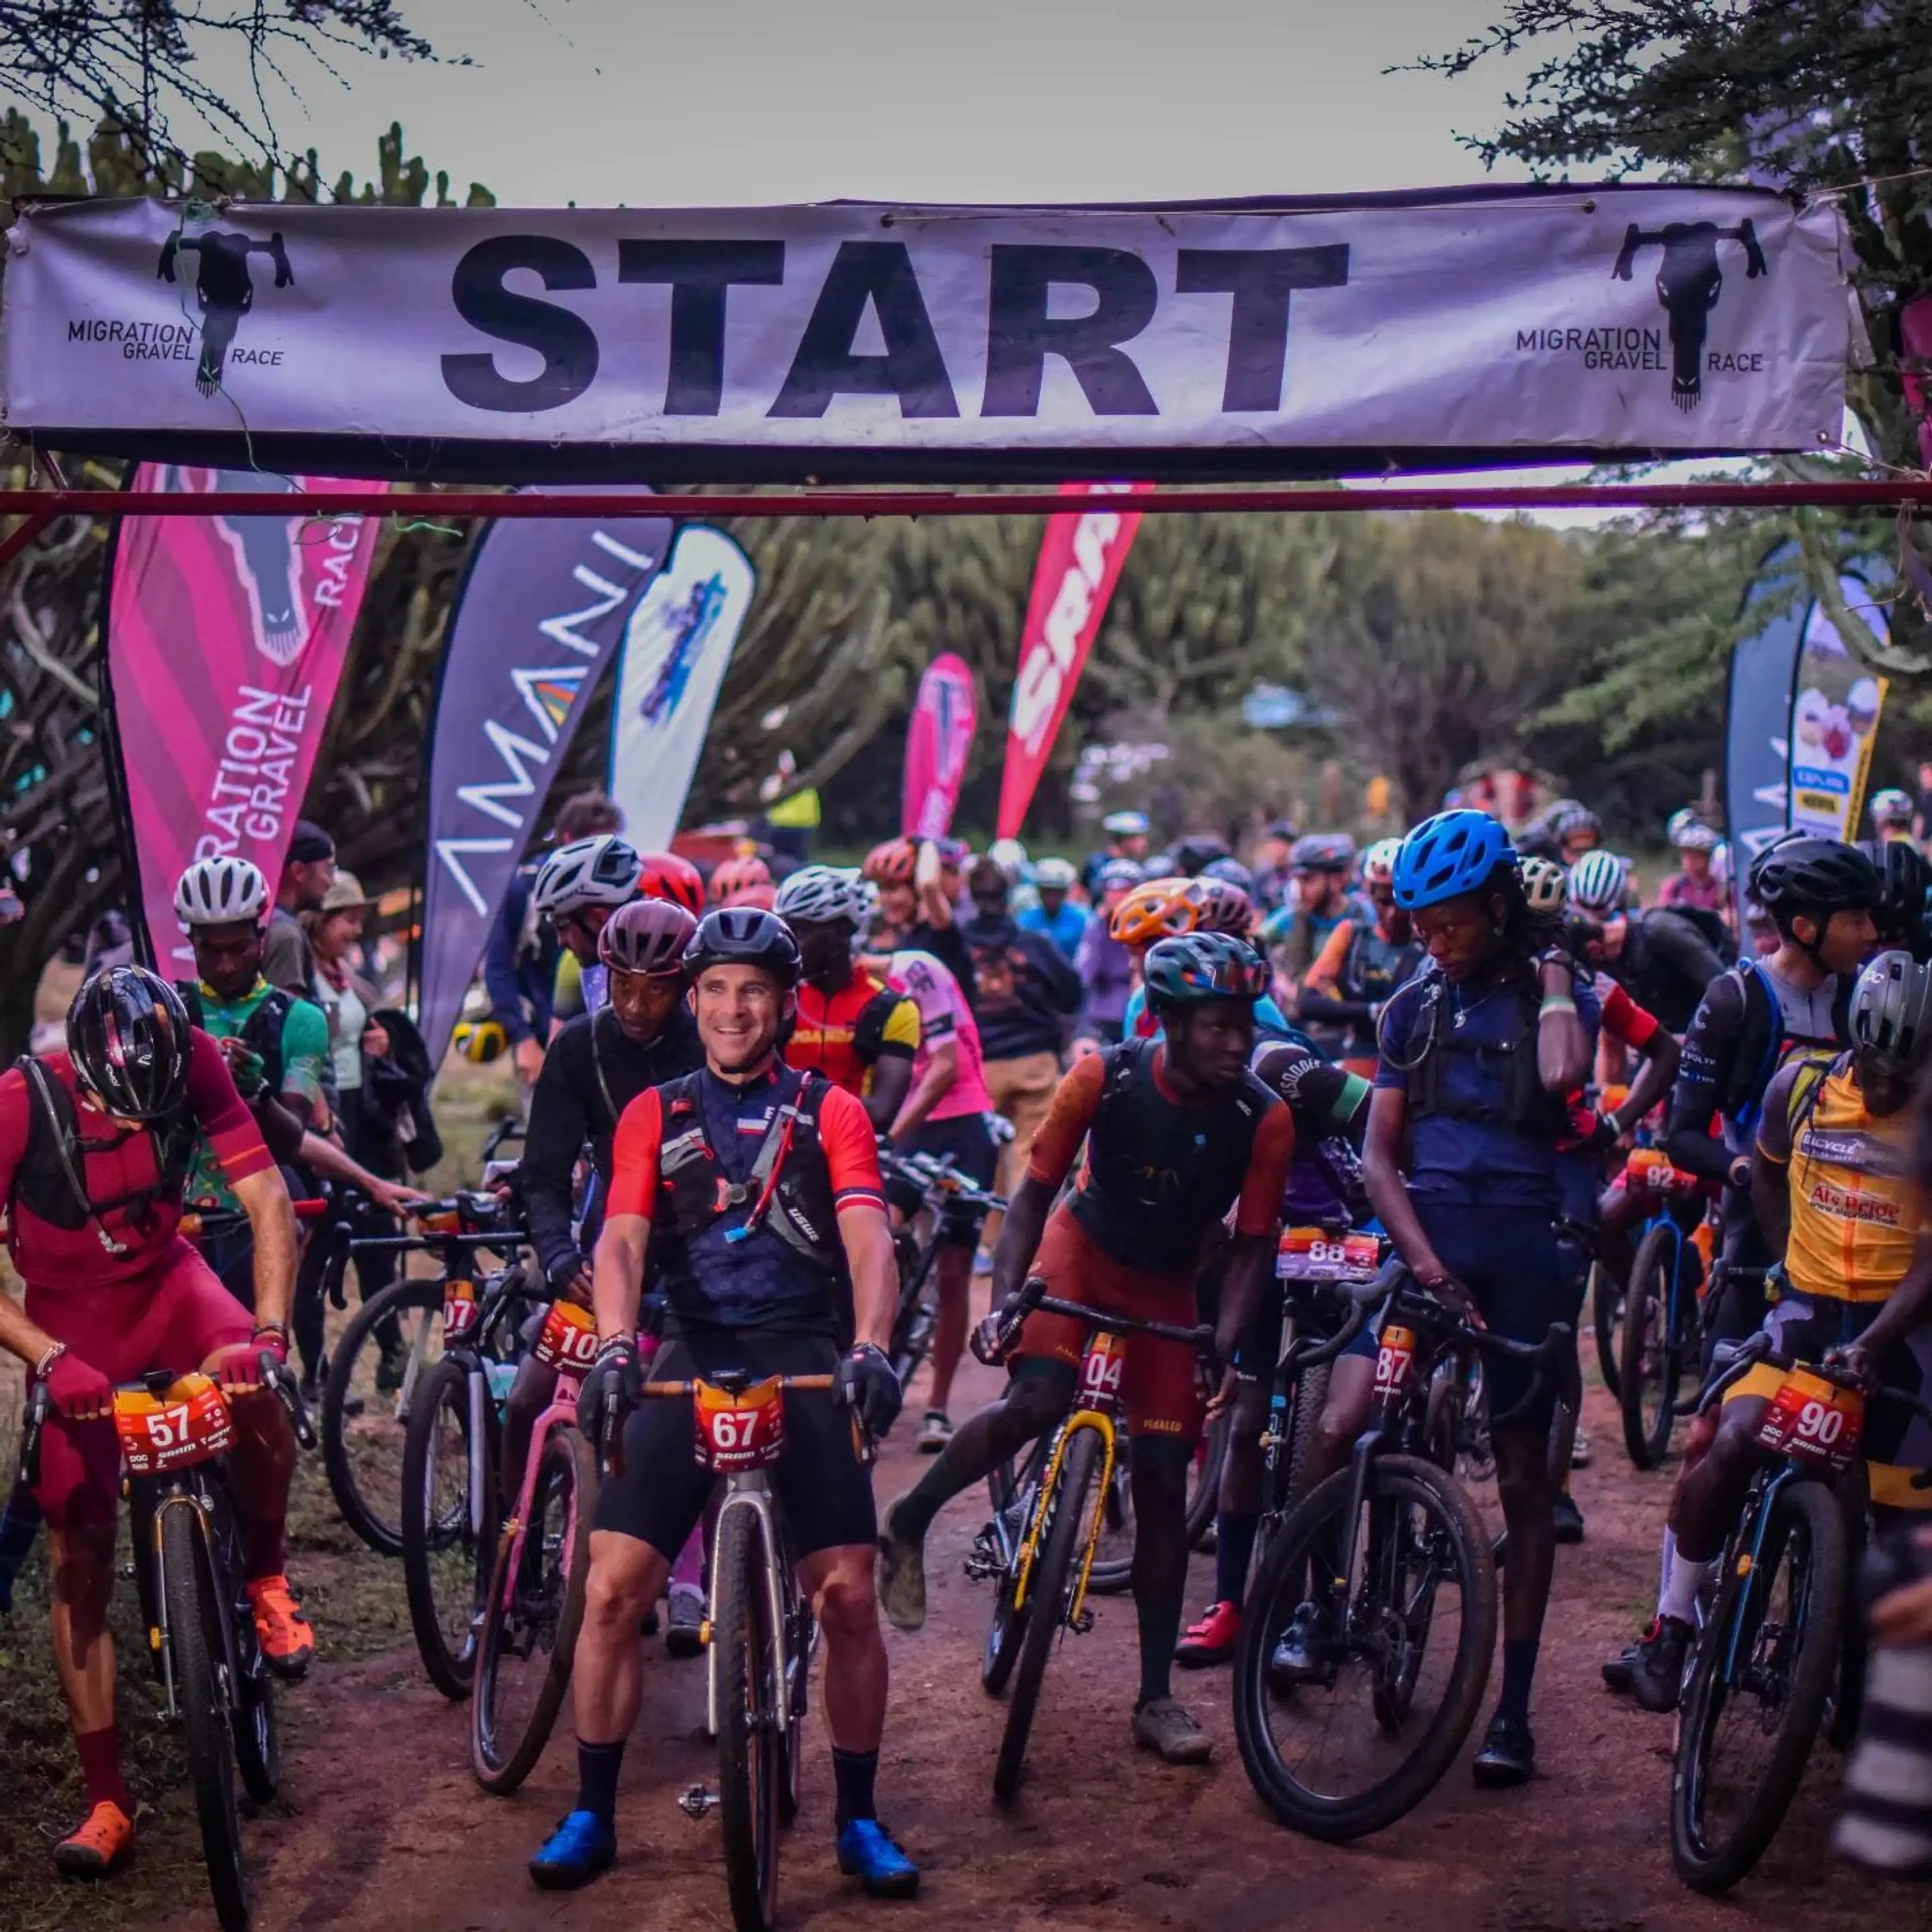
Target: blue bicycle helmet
<point>1453,853</point>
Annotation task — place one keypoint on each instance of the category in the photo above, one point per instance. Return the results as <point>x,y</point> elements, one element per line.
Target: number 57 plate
<point>1314,1254</point>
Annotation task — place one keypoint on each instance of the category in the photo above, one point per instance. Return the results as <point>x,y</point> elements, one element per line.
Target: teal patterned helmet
<point>1198,967</point>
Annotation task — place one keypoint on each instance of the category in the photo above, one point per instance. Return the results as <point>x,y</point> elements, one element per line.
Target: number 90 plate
<point>1815,1421</point>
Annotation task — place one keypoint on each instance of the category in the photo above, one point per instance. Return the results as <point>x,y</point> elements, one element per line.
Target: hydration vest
<point>1522,1102</point>
<point>788,1190</point>
<point>1375,967</point>
<point>51,1180</point>
<point>1159,1174</point>
<point>261,1032</point>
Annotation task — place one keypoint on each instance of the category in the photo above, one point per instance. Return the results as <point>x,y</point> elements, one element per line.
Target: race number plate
<point>187,1425</point>
<point>1815,1421</point>
<point>569,1337</point>
<point>739,1432</point>
<point>1314,1254</point>
<point>1394,1361</point>
<point>460,1310</point>
<point>1649,1170</point>
<point>1100,1373</point>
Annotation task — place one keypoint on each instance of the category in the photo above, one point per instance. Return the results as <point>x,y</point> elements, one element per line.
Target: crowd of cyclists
<point>1452,1040</point>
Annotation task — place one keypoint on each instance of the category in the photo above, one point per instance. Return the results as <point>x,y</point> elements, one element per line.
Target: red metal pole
<point>1871,494</point>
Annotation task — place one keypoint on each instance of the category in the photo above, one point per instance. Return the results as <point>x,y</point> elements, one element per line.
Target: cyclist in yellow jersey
<point>1835,1192</point>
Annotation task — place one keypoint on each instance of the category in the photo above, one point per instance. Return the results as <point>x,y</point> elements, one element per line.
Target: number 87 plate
<point>1315,1254</point>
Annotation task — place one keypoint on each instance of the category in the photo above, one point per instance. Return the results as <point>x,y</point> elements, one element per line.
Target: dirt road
<point>383,1829</point>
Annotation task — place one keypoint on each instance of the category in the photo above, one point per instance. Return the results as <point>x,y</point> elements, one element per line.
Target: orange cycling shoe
<point>287,1642</point>
<point>102,1839</point>
<point>1212,1640</point>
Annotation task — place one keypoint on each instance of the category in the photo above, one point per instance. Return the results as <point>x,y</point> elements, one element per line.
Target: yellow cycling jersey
<point>1854,1209</point>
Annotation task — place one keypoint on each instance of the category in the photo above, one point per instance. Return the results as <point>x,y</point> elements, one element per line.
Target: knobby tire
<point>377,1523</point>
<point>751,1769</point>
<point>453,1672</point>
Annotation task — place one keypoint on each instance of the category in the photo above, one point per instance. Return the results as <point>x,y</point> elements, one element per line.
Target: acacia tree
<point>1809,96</point>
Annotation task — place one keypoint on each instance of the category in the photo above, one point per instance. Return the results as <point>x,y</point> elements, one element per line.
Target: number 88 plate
<point>1315,1254</point>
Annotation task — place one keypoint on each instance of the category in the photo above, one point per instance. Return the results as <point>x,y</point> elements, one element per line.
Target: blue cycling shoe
<point>580,1848</point>
<point>867,1852</point>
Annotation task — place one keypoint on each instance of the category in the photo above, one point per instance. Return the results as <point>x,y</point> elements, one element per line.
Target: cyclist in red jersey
<point>95,1145</point>
<point>1177,1131</point>
<point>859,1032</point>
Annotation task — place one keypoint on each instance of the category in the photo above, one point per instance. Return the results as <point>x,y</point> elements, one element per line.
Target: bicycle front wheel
<point>1114,1560</point>
<point>533,1614</point>
<point>197,1655</point>
<point>1062,1512</point>
<point>1606,1314</point>
<point>1759,1686</point>
<point>374,1370</point>
<point>1355,1724</point>
<point>448,1532</point>
<point>750,1754</point>
<point>1653,1353</point>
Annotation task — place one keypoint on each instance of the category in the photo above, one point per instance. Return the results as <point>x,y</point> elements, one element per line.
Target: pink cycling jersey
<point>944,1015</point>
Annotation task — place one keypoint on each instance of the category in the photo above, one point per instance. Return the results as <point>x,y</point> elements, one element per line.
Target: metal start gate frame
<point>39,507</point>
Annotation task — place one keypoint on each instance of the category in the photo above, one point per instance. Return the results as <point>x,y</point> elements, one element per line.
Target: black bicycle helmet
<point>1198,967</point>
<point>1904,879</point>
<point>1803,873</point>
<point>744,936</point>
<point>127,1034</point>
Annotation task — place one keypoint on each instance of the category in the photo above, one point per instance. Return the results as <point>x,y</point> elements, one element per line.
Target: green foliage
<point>1807,95</point>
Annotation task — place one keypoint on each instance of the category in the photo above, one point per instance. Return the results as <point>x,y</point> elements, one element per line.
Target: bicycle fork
<point>159,1636</point>
<point>749,1493</point>
<point>1049,1487</point>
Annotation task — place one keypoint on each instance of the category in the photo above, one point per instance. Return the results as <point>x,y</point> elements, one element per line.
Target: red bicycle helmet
<point>666,876</point>
<point>647,936</point>
<point>891,864</point>
<point>731,878</point>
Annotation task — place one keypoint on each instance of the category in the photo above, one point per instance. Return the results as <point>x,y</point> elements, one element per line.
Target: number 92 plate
<point>1314,1254</point>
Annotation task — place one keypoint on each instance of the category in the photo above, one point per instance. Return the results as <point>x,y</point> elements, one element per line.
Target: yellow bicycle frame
<point>1102,1425</point>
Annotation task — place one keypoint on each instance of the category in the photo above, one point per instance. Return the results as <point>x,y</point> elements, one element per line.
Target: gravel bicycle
<point>175,1432</point>
<point>531,1604</point>
<point>451,1494</point>
<point>388,1346</point>
<point>1658,1338</point>
<point>760,1632</point>
<point>1386,1575</point>
<point>1040,1548</point>
<point>951,1204</point>
<point>1779,1643</point>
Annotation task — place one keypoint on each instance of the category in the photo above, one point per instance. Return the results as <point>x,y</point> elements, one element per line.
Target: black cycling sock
<point>1518,1672</point>
<point>597,1768</point>
<point>1160,1606</point>
<point>1235,1533</point>
<point>854,1774</point>
<point>977,1448</point>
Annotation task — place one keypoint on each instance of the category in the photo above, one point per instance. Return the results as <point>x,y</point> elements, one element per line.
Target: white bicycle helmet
<point>1891,807</point>
<point>1379,862</point>
<point>1892,1009</point>
<point>818,894</point>
<point>1596,884</point>
<point>1010,855</point>
<point>1544,885</point>
<point>221,891</point>
<point>1689,833</point>
<point>1055,875</point>
<point>600,871</point>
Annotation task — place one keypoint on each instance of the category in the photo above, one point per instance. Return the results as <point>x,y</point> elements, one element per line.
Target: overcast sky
<point>753,101</point>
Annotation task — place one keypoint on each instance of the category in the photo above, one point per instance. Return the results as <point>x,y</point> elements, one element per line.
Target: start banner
<point>855,340</point>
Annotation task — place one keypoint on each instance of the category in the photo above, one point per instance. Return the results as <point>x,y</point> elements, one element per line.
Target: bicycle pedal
<point>983,1569</point>
<point>697,1801</point>
<point>1082,1624</point>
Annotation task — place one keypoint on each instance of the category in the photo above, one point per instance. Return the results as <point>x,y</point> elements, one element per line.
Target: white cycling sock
<point>1665,1564</point>
<point>1687,1580</point>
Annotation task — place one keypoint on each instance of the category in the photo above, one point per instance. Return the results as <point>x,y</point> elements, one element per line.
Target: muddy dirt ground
<point>381,1827</point>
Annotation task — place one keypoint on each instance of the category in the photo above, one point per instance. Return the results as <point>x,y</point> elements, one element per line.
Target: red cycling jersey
<point>115,1162</point>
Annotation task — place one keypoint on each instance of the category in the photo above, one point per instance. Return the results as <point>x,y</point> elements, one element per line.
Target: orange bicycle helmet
<point>891,863</point>
<point>666,876</point>
<point>1160,909</point>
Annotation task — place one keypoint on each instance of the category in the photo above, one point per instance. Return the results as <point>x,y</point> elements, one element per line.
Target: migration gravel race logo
<point>1690,283</point>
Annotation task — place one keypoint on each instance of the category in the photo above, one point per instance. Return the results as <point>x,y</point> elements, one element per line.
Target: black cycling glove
<point>612,1389</point>
<point>867,1387</point>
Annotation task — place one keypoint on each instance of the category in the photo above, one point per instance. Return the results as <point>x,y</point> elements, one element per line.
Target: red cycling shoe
<point>1212,1640</point>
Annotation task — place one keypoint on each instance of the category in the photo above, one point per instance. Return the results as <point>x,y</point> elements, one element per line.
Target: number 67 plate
<point>1314,1254</point>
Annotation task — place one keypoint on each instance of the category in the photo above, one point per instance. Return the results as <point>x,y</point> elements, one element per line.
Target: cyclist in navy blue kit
<point>1479,1052</point>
